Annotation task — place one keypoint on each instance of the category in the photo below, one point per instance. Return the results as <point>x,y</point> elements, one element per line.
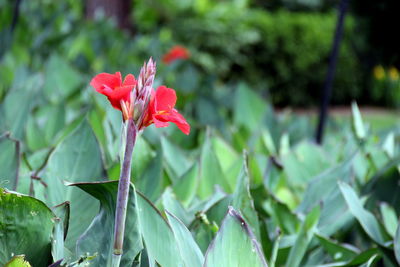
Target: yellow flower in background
<point>393,73</point>
<point>379,72</point>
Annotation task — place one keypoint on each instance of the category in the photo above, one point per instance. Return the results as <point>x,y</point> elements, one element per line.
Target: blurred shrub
<point>293,56</point>
<point>284,51</point>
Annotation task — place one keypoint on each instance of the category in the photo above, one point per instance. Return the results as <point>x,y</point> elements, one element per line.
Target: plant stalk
<point>123,193</point>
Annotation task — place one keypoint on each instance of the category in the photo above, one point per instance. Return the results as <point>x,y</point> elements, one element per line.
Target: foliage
<point>291,201</point>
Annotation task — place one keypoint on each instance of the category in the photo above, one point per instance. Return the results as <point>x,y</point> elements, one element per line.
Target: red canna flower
<point>111,85</point>
<point>176,52</point>
<point>161,110</point>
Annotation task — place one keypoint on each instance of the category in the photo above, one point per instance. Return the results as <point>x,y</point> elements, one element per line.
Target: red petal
<point>129,80</point>
<point>173,117</point>
<point>158,123</point>
<point>165,99</point>
<point>102,80</point>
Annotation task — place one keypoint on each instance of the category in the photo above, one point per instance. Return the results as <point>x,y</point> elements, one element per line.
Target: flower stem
<point>123,192</point>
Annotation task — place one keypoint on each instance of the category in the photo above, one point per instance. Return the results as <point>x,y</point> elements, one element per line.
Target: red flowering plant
<point>141,106</point>
<point>176,52</point>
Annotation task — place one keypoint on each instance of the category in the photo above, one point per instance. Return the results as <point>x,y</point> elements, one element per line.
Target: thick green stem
<point>123,192</point>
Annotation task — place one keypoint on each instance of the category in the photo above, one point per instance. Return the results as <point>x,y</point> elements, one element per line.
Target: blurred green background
<point>279,47</point>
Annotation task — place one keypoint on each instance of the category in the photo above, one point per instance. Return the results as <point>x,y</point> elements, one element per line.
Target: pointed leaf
<point>303,239</point>
<point>211,173</point>
<point>363,216</point>
<point>9,160</point>
<point>242,200</point>
<point>358,122</point>
<point>26,226</point>
<point>234,245</point>
<point>189,250</point>
<point>76,158</point>
<point>157,234</point>
<point>97,239</point>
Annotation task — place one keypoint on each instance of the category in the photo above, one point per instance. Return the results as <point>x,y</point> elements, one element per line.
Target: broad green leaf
<point>243,201</point>
<point>397,244</point>
<point>175,159</point>
<point>304,162</point>
<point>143,157</point>
<point>228,159</point>
<point>61,79</point>
<point>35,138</point>
<point>211,173</point>
<point>55,122</point>
<point>151,183</point>
<point>57,240</point>
<point>157,235</point>
<point>189,250</point>
<point>282,216</point>
<point>364,217</point>
<point>97,239</point>
<point>358,260</point>
<point>76,158</point>
<point>390,220</point>
<point>63,211</point>
<point>234,245</point>
<point>249,108</point>
<point>17,106</point>
<point>171,204</point>
<point>268,143</point>
<point>9,160</point>
<point>26,226</point>
<point>18,261</point>
<point>185,188</point>
<point>338,252</point>
<point>358,124</point>
<point>322,185</point>
<point>303,239</point>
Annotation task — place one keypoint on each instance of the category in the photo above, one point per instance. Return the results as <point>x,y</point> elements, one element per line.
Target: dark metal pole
<point>326,95</point>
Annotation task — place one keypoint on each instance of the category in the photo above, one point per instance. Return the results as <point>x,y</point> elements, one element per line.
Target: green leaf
<point>358,124</point>
<point>9,160</point>
<point>364,217</point>
<point>18,261</point>
<point>157,234</point>
<point>97,239</point>
<point>18,104</point>
<point>189,250</point>
<point>303,239</point>
<point>151,182</point>
<point>282,216</point>
<point>389,217</point>
<point>63,211</point>
<point>389,145</point>
<point>175,158</point>
<point>61,79</point>
<point>26,226</point>
<point>397,244</point>
<point>249,108</point>
<point>57,240</point>
<point>338,252</point>
<point>55,121</point>
<point>242,200</point>
<point>211,173</point>
<point>171,204</point>
<point>185,188</point>
<point>76,158</point>
<point>304,162</point>
<point>234,245</point>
